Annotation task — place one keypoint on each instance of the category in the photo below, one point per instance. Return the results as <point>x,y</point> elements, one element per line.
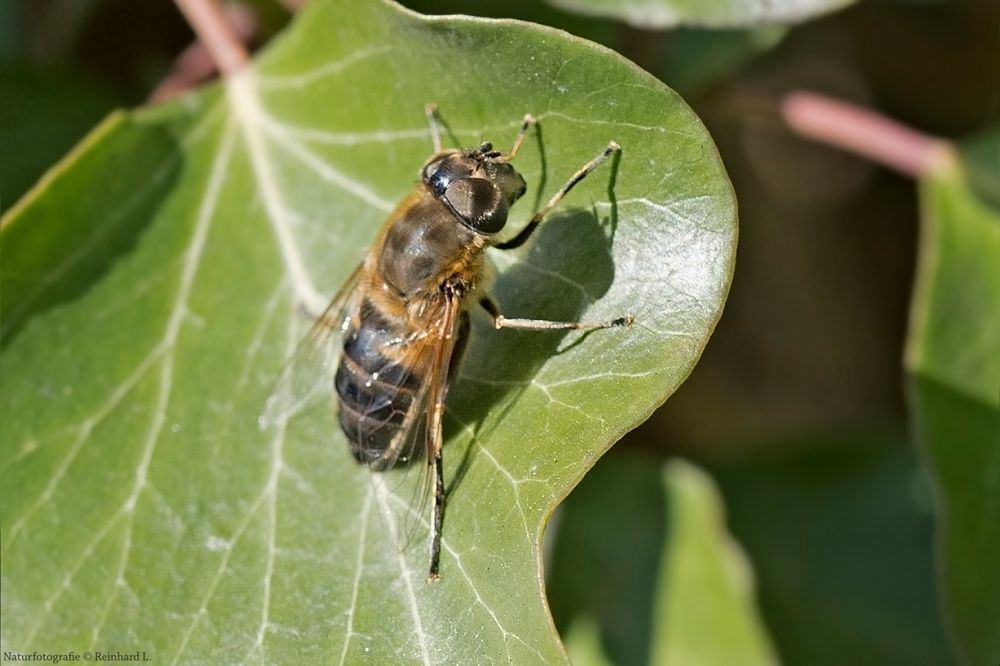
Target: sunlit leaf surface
<point>154,282</point>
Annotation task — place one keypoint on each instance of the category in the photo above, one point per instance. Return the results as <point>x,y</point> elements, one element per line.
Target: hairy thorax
<point>426,248</point>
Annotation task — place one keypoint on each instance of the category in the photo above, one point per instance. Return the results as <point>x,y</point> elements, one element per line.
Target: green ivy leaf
<point>157,275</point>
<point>955,379</point>
<point>658,14</point>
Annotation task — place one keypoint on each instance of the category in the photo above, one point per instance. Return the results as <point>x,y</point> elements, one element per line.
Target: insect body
<point>404,313</point>
<point>399,344</point>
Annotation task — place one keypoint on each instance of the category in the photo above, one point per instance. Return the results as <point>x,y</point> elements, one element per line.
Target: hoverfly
<point>403,315</point>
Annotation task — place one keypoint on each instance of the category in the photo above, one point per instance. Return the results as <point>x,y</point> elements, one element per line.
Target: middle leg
<point>500,321</point>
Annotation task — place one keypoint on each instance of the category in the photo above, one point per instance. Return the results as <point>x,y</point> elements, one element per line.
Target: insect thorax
<point>426,246</point>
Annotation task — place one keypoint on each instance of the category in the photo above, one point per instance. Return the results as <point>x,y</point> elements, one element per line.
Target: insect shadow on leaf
<point>566,268</point>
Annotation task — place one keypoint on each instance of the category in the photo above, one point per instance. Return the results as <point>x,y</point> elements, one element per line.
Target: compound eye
<point>436,177</point>
<point>479,203</point>
<point>442,173</point>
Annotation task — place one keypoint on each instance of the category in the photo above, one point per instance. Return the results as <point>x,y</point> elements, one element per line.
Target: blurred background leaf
<point>839,530</point>
<point>954,365</point>
<point>643,571</point>
<point>715,13</point>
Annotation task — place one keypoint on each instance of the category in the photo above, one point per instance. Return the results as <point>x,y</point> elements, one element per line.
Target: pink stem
<point>209,23</point>
<point>864,132</point>
<point>195,64</point>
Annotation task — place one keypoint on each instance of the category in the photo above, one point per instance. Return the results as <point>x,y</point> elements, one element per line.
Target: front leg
<point>536,219</point>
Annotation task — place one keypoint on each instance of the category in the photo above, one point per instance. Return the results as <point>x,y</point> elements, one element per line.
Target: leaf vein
<point>381,494</point>
<point>359,567</point>
<point>307,77</point>
<point>246,109</point>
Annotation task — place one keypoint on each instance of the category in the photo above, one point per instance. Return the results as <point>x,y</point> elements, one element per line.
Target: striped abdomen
<point>381,379</point>
<point>376,392</point>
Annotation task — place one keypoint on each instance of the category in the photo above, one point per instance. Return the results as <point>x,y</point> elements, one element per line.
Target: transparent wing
<point>428,357</point>
<point>308,375</point>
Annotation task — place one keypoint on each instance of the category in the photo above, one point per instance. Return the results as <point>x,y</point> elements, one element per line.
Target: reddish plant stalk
<point>864,133</point>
